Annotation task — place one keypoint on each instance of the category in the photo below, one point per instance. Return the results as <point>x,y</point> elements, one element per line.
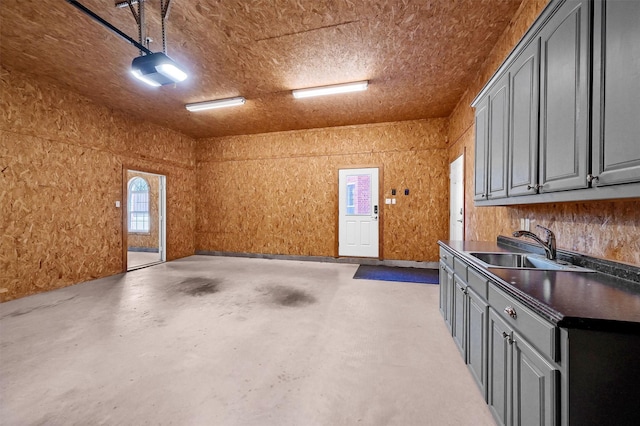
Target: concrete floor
<point>136,259</point>
<point>234,341</point>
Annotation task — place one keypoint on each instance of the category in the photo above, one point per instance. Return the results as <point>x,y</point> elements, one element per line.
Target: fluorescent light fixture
<point>356,86</point>
<point>157,69</point>
<point>218,103</point>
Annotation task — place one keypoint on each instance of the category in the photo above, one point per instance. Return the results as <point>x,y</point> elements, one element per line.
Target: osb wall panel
<point>277,193</point>
<point>462,117</point>
<point>608,229</point>
<point>147,239</point>
<point>61,160</point>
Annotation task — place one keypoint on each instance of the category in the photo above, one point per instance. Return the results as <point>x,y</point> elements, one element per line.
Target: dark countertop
<point>568,299</point>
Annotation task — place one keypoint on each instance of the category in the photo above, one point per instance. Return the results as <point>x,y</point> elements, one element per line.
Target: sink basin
<point>525,261</point>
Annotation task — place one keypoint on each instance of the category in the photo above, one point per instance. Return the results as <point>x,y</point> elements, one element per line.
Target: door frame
<point>125,208</point>
<point>463,182</point>
<point>336,252</point>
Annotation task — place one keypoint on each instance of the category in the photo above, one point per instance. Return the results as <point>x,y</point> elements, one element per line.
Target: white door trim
<point>456,199</point>
<point>162,214</point>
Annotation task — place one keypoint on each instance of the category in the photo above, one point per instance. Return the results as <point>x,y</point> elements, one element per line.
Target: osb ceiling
<point>419,57</point>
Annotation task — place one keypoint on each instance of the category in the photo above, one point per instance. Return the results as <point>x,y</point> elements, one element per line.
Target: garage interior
<point>204,339</point>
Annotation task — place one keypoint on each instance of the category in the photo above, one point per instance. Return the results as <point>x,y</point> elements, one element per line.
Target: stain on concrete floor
<point>200,286</point>
<point>21,312</point>
<point>289,296</point>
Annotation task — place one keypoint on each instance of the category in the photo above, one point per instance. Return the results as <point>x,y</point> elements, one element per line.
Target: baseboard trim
<point>326,259</point>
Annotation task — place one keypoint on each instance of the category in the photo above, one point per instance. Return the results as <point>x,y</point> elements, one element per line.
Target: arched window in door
<point>138,205</point>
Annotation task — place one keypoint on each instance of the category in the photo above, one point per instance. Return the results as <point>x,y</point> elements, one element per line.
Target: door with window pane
<point>144,237</point>
<point>358,213</point>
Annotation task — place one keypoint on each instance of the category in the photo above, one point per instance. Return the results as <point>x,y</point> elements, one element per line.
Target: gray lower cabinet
<point>564,99</point>
<point>518,380</point>
<point>476,349</point>
<point>468,317</point>
<point>446,293</point>
<point>522,386</point>
<point>460,305</point>
<point>529,370</point>
<point>534,385</point>
<point>499,359</point>
<point>616,93</point>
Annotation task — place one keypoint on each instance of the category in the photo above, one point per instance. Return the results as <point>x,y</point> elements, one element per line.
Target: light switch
<point>387,200</point>
<point>393,201</point>
<point>118,204</point>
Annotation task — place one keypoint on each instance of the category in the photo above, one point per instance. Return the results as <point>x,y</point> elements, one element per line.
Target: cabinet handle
<point>536,187</point>
<point>507,337</point>
<point>591,178</point>
<point>511,312</point>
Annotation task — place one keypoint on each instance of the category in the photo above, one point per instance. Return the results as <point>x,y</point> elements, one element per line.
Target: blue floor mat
<point>396,273</point>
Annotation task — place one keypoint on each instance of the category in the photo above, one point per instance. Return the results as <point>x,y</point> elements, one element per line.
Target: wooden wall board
<point>608,229</point>
<point>419,56</point>
<point>61,159</point>
<point>276,193</point>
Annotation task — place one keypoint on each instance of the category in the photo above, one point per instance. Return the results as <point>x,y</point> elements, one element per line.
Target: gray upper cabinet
<point>564,99</point>
<point>523,140</point>
<point>492,132</point>
<point>482,135</point>
<point>498,134</point>
<point>559,120</point>
<point>616,93</point>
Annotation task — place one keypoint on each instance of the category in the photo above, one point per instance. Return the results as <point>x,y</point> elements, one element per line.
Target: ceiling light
<point>330,90</point>
<point>157,69</point>
<point>218,103</point>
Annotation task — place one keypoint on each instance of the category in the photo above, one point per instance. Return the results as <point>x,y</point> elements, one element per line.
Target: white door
<point>456,202</point>
<point>358,211</point>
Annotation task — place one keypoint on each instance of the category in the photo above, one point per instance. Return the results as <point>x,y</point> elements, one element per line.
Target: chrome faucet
<point>549,245</point>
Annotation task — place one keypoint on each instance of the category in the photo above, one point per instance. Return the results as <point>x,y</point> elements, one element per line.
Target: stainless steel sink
<point>524,261</point>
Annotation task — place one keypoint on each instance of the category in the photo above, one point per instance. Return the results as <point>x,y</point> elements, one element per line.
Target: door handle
<point>459,220</point>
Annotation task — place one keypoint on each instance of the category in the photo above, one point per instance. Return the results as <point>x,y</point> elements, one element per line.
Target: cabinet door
<point>480,161</point>
<point>616,92</point>
<point>477,313</point>
<point>535,386</point>
<point>499,364</point>
<point>446,294</point>
<point>564,106</point>
<point>498,134</point>
<point>458,326</point>
<point>443,293</point>
<point>523,140</point>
